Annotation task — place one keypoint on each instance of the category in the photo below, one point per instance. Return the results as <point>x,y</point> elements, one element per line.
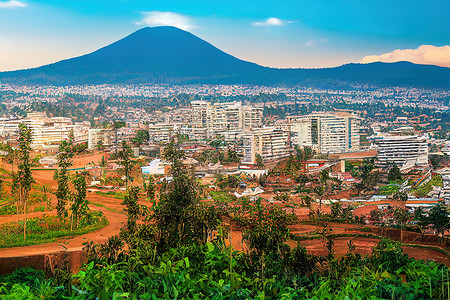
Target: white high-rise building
<point>404,151</point>
<point>269,143</point>
<point>222,117</point>
<point>329,133</point>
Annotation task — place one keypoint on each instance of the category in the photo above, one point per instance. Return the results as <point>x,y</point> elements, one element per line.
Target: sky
<point>282,34</point>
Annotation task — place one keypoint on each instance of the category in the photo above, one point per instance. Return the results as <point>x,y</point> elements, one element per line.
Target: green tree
<point>151,187</point>
<point>11,156</point>
<point>140,137</point>
<point>369,177</point>
<point>65,160</point>
<point>394,174</point>
<point>24,176</point>
<point>438,218</point>
<point>134,212</point>
<point>401,215</point>
<point>100,146</point>
<point>259,161</point>
<point>401,196</point>
<point>178,217</point>
<point>336,209</point>
<point>80,203</point>
<point>126,162</point>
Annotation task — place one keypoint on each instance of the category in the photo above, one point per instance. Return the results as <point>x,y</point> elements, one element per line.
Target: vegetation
<point>24,176</point>
<point>394,174</point>
<point>124,156</point>
<point>47,229</point>
<point>65,160</point>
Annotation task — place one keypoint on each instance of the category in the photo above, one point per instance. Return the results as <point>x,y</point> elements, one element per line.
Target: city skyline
<point>289,34</point>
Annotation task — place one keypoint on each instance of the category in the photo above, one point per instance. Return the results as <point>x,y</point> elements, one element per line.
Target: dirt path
<point>112,210</point>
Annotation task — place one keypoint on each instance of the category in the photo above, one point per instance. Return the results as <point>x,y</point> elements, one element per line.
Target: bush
<point>388,255</point>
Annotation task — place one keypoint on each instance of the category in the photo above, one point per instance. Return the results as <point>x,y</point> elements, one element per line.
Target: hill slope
<point>171,55</point>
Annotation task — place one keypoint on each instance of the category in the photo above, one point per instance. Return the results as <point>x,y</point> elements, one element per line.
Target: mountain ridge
<point>174,56</point>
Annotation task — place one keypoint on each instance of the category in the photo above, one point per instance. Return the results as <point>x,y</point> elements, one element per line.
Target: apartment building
<point>161,132</point>
<point>48,133</point>
<point>405,151</point>
<point>328,133</point>
<point>100,135</point>
<point>269,143</point>
<point>199,113</point>
<point>222,117</point>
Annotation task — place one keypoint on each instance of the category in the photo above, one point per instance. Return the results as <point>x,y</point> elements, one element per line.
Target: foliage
<point>178,218</point>
<point>230,181</point>
<point>394,174</point>
<point>259,161</point>
<point>79,206</point>
<point>150,188</point>
<point>369,177</point>
<point>65,160</point>
<point>203,272</point>
<point>140,137</point>
<point>47,229</point>
<point>125,161</point>
<point>391,189</point>
<point>438,218</point>
<point>24,176</point>
<point>388,255</point>
<point>424,189</point>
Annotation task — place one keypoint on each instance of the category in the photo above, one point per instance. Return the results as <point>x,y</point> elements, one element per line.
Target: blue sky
<point>284,33</point>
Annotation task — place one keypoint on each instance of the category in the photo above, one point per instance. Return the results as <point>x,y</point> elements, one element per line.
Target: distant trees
<point>369,177</point>
<point>401,196</point>
<point>11,155</point>
<point>150,188</point>
<point>439,219</point>
<point>259,161</point>
<point>24,176</point>
<point>394,174</point>
<point>140,137</point>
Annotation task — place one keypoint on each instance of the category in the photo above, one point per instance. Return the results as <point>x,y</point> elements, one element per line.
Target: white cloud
<point>271,22</point>
<point>425,54</point>
<point>11,4</point>
<point>165,18</point>
<point>315,42</point>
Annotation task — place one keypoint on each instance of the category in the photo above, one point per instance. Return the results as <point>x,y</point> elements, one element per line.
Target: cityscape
<point>161,166</point>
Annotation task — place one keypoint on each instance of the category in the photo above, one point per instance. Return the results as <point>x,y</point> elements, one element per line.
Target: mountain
<point>171,55</point>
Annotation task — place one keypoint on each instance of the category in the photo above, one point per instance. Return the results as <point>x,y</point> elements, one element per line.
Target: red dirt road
<point>115,216</point>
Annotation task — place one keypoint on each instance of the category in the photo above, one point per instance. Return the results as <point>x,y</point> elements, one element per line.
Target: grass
<point>13,236</point>
<point>388,190</point>
<point>220,196</point>
<point>107,208</point>
<point>120,196</point>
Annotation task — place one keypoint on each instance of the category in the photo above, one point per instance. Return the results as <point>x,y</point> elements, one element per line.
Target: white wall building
<point>405,151</point>
<point>269,143</point>
<point>330,133</point>
<point>222,117</point>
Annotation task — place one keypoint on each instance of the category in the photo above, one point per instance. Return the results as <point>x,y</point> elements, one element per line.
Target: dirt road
<point>112,210</point>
